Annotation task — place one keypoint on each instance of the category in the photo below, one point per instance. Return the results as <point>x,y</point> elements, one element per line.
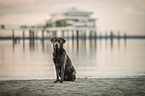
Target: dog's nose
<point>56,45</point>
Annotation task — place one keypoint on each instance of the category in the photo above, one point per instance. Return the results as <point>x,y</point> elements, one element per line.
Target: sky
<point>116,15</point>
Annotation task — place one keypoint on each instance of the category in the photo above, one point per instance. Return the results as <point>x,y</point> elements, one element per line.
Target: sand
<point>81,87</point>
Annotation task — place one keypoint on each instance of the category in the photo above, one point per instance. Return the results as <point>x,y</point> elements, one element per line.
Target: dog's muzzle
<point>56,45</point>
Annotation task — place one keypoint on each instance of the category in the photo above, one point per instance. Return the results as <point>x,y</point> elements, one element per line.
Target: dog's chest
<point>58,61</point>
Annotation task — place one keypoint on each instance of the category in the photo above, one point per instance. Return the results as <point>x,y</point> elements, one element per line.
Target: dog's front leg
<point>62,73</point>
<point>57,74</point>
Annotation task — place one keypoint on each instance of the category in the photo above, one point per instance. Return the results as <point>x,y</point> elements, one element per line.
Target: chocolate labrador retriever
<point>63,66</point>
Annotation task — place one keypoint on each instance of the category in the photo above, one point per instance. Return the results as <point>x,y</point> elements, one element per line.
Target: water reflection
<point>125,43</point>
<point>13,47</point>
<point>80,45</point>
<point>77,45</point>
<point>43,48</point>
<point>23,46</point>
<point>111,43</point>
<point>106,43</point>
<point>91,58</point>
<point>32,45</point>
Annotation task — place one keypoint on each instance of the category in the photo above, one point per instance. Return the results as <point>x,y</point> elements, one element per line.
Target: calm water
<point>98,59</point>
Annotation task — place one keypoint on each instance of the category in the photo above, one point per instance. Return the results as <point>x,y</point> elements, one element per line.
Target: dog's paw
<point>55,81</point>
<point>61,81</point>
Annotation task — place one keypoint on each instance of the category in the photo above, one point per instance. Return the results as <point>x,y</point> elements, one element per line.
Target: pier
<point>77,34</point>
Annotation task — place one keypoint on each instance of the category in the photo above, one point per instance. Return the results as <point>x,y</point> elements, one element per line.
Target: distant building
<point>71,19</point>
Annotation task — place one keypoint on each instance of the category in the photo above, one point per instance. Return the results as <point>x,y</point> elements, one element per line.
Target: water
<point>99,59</point>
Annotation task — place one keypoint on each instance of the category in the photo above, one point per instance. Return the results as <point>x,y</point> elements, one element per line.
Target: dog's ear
<point>63,40</point>
<point>52,39</point>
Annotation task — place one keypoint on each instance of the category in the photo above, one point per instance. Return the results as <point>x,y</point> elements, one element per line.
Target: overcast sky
<point>123,15</point>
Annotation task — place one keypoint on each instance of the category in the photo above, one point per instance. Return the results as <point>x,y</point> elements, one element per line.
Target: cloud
<point>11,2</point>
<point>29,19</point>
<point>128,10</point>
<point>30,6</point>
<point>141,3</point>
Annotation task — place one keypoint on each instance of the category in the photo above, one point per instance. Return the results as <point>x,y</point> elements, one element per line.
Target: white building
<point>71,19</point>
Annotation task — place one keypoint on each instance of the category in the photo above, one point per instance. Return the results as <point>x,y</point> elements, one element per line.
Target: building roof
<point>71,10</point>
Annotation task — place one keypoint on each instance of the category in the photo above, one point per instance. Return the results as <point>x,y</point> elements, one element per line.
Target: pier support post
<point>77,40</point>
<point>118,35</point>
<point>77,34</point>
<point>72,34</point>
<point>111,38</point>
<point>95,35</point>
<point>85,35</point>
<point>90,37</point>
<point>111,35</point>
<point>13,34</point>
<point>30,33</point>
<point>125,36</point>
<point>33,35</point>
<point>42,35</point>
<point>23,35</point>
<point>67,34</point>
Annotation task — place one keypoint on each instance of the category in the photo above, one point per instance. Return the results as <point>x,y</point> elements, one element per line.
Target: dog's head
<point>58,42</point>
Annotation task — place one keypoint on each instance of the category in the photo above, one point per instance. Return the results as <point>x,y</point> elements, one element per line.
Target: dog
<point>63,65</point>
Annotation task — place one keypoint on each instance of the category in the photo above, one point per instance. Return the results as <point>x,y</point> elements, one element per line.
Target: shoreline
<point>53,78</point>
<point>81,87</point>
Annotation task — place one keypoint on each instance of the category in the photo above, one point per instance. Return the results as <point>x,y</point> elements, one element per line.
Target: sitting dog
<point>63,66</point>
